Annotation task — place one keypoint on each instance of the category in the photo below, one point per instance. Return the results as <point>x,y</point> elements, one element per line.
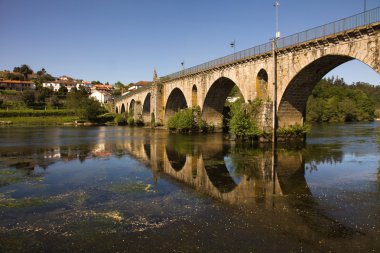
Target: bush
<point>183,121</point>
<point>377,113</point>
<point>120,120</point>
<point>139,122</point>
<point>130,121</point>
<point>241,123</point>
<point>296,131</point>
<point>84,107</point>
<point>106,117</point>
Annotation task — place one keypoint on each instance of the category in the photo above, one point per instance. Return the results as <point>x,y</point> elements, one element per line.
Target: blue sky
<point>124,40</point>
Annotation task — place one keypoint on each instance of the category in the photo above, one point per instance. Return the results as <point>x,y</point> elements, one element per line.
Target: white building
<point>55,85</point>
<point>102,96</point>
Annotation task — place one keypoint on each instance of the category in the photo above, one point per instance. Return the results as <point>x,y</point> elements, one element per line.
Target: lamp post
<point>274,52</point>
<point>233,44</point>
<point>183,67</point>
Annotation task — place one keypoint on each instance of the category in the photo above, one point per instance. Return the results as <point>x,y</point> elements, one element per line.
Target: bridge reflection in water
<point>245,176</point>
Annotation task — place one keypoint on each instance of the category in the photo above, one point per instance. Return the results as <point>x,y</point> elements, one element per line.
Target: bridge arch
<point>176,159</point>
<point>194,96</point>
<point>292,104</point>
<point>122,110</point>
<point>132,106</point>
<point>117,110</point>
<point>262,84</point>
<point>146,109</point>
<point>175,102</point>
<point>213,104</point>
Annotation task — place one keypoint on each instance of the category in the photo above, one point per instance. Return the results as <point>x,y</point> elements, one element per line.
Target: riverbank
<point>38,121</point>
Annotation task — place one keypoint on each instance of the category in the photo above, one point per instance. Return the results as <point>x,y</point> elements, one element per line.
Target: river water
<point>119,189</point>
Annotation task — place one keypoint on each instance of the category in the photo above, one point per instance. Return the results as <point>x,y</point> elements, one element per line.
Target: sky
<point>125,40</point>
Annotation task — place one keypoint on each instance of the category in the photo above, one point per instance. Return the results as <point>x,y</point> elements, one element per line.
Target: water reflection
<point>284,193</point>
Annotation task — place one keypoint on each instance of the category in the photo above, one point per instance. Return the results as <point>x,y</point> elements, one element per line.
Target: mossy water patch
<point>22,203</point>
<point>135,187</point>
<point>10,176</point>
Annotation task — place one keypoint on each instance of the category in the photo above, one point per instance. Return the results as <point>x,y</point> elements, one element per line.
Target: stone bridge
<point>302,60</point>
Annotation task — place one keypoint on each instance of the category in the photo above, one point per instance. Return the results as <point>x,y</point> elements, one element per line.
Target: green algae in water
<point>10,176</point>
<point>137,187</point>
<point>22,203</point>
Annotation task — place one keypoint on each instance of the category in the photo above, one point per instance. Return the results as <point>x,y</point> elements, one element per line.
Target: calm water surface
<point>116,189</point>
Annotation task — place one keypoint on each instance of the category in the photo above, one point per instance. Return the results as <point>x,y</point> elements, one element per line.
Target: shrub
<point>120,120</point>
<point>130,121</point>
<point>293,131</point>
<point>106,117</point>
<point>377,113</point>
<point>241,123</point>
<point>182,121</point>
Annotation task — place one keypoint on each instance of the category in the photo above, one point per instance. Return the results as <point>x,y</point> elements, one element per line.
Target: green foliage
<point>62,92</point>
<point>106,117</point>
<point>243,119</point>
<point>182,121</point>
<point>119,85</point>
<point>83,106</point>
<point>41,120</point>
<point>131,121</point>
<point>120,120</point>
<point>241,123</point>
<point>377,113</point>
<point>293,131</point>
<point>188,120</point>
<point>28,97</point>
<point>332,100</point>
<point>24,69</point>
<point>10,92</point>
<point>54,101</point>
<point>35,113</point>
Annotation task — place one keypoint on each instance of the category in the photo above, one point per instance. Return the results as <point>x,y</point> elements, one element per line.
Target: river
<point>119,189</point>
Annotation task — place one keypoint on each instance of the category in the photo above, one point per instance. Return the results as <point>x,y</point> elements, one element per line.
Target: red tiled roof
<point>142,83</point>
<point>102,87</point>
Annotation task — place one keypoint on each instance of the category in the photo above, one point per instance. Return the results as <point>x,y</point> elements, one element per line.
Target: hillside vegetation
<point>332,100</point>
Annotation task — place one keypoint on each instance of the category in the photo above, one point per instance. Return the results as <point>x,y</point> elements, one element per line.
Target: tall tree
<point>24,69</point>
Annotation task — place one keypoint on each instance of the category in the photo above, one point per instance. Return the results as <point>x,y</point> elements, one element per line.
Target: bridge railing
<point>349,23</point>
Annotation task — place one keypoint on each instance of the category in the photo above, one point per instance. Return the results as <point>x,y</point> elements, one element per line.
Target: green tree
<point>62,92</point>
<point>84,107</point>
<point>332,100</point>
<point>242,122</point>
<point>25,70</point>
<point>28,97</point>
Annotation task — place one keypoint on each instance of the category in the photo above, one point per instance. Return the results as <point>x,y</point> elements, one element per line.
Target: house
<point>101,87</point>
<point>17,85</point>
<point>55,85</point>
<point>139,85</point>
<point>101,96</point>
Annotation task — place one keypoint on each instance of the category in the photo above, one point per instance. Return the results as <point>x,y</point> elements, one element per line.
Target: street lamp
<point>183,67</point>
<point>277,6</point>
<point>274,52</point>
<point>233,45</point>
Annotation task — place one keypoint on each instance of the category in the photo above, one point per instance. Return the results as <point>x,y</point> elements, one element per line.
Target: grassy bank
<point>40,121</point>
<point>37,117</point>
<point>36,113</point>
